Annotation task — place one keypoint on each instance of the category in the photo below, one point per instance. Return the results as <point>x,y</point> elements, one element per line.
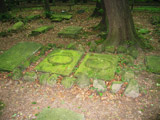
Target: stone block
<point>60,62</point>
<point>70,32</point>
<point>13,57</point>
<point>59,114</point>
<point>98,66</point>
<point>153,64</point>
<point>40,30</point>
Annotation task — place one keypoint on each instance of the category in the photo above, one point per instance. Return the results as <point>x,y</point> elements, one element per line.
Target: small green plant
<point>4,34</point>
<point>155,20</point>
<point>4,17</point>
<point>34,102</point>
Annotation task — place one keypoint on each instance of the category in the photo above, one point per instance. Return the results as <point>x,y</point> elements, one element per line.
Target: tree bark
<point>96,12</point>
<point>103,22</point>
<point>3,7</point>
<point>46,6</point>
<point>121,26</point>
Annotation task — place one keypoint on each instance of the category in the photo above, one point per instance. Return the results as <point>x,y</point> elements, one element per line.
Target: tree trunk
<point>96,11</point>
<point>121,26</point>
<point>46,6</point>
<point>103,22</point>
<point>3,7</point>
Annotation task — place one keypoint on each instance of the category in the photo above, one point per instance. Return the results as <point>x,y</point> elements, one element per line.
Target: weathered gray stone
<point>133,52</point>
<point>128,76</point>
<point>17,74</point>
<point>153,64</point>
<point>59,114</point>
<point>100,48</point>
<point>132,90</point>
<point>67,82</point>
<point>83,81</point>
<point>121,49</point>
<point>43,78</point>
<point>46,79</point>
<point>110,49</point>
<point>93,46</point>
<point>52,80</point>
<point>80,48</point>
<point>116,86</point>
<point>99,85</point>
<point>30,76</point>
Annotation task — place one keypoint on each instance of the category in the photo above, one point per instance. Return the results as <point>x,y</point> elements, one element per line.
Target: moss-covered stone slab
<point>70,32</point>
<point>62,16</point>
<point>32,17</point>
<point>60,62</point>
<point>56,19</point>
<point>99,66</point>
<point>40,30</point>
<point>153,64</point>
<point>17,26</point>
<point>13,57</point>
<point>59,114</point>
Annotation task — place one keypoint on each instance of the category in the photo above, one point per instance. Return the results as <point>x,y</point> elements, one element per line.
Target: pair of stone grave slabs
<point>13,57</point>
<point>60,62</point>
<point>100,66</point>
<point>71,31</point>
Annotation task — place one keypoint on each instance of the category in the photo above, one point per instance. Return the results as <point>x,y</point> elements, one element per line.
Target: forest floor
<point>24,100</point>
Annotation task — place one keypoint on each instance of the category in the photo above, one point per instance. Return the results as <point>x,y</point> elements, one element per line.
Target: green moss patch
<point>41,30</point>
<point>152,64</point>
<point>71,32</point>
<point>61,16</point>
<point>17,54</point>
<point>100,66</point>
<point>2,105</point>
<point>17,26</point>
<point>59,114</point>
<point>60,62</point>
<point>143,31</point>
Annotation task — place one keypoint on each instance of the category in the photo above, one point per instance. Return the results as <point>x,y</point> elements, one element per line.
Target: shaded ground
<point>25,100</point>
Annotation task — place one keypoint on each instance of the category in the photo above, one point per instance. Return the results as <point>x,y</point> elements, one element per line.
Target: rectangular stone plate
<point>71,31</point>
<point>17,54</point>
<point>100,66</point>
<point>60,62</point>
